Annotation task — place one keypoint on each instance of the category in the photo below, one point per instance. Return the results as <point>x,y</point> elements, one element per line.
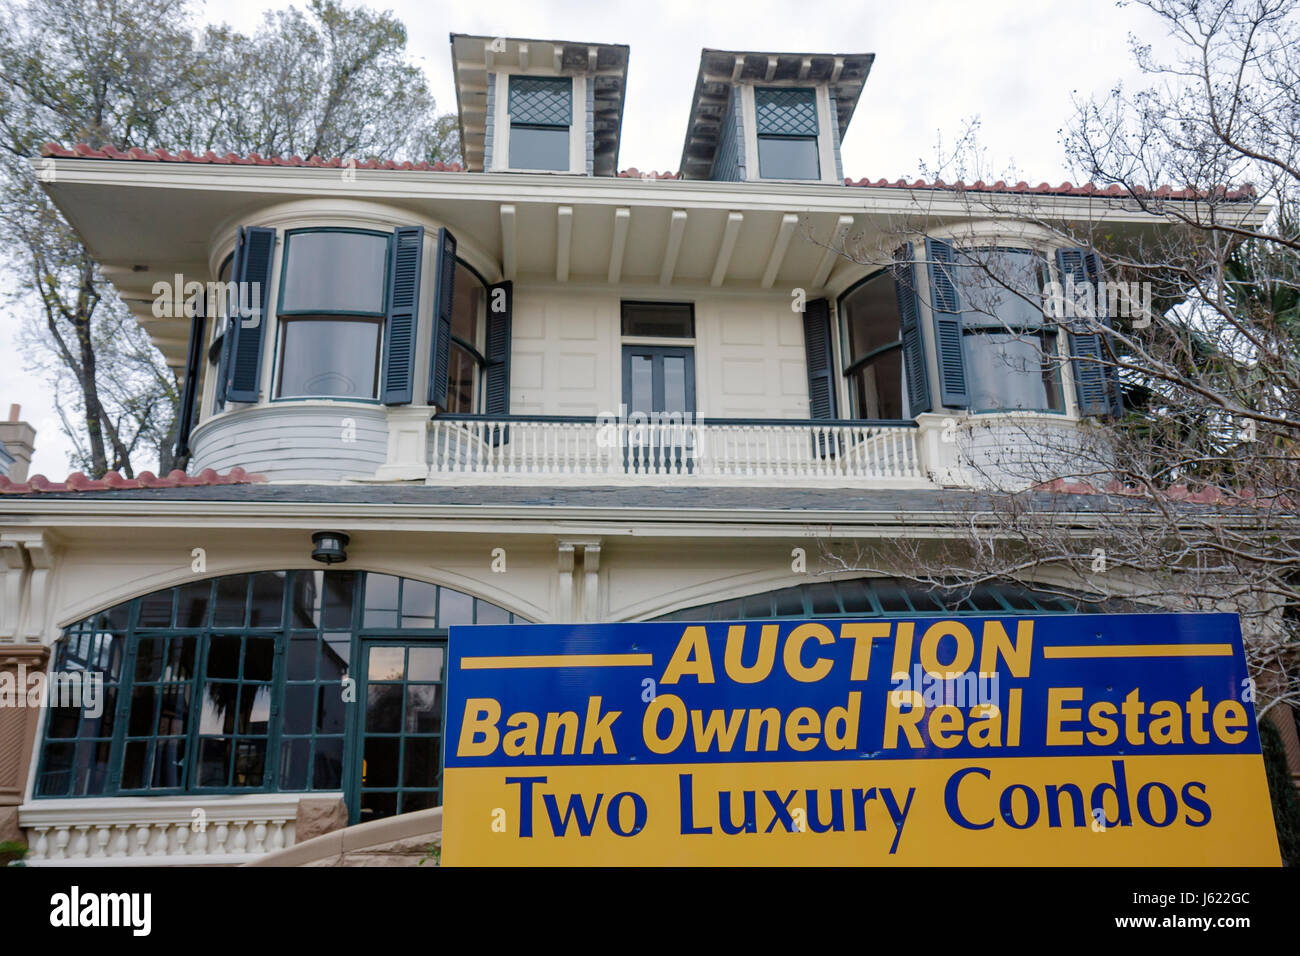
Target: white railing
<point>157,831</point>
<point>710,452</point>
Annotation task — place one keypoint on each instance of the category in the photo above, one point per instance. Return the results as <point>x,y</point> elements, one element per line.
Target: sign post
<point>1038,740</point>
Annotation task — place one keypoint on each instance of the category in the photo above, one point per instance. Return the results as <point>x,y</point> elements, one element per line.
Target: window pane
<point>460,381</point>
<point>642,385</point>
<point>870,315</point>
<point>661,319</point>
<point>333,358</point>
<point>539,147</point>
<point>335,272</point>
<point>675,384</point>
<point>467,306</point>
<point>1000,288</point>
<point>786,112</point>
<point>1010,372</point>
<point>788,157</point>
<point>455,607</point>
<point>877,386</point>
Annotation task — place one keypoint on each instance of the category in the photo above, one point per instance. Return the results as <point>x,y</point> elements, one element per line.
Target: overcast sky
<point>1013,65</point>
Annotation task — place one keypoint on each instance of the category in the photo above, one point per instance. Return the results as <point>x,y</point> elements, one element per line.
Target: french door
<point>401,691</point>
<point>659,387</point>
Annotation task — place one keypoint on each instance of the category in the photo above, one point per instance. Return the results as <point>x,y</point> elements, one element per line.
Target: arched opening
<point>273,681</point>
<point>885,597</point>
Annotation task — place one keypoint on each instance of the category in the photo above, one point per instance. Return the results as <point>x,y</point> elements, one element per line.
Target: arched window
<point>272,681</point>
<point>884,597</point>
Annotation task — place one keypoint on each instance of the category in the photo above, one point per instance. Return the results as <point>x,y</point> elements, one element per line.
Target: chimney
<point>19,440</point>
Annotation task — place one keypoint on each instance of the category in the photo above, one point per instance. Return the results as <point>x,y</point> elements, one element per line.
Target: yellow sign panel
<point>1062,740</point>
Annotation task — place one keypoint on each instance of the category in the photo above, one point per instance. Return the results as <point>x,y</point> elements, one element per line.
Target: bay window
<point>331,313</point>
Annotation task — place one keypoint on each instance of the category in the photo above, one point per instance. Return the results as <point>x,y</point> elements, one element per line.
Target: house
<point>534,388</point>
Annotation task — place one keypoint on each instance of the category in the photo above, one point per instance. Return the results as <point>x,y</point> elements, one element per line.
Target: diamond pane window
<point>787,134</point>
<point>541,111</point>
<point>786,112</point>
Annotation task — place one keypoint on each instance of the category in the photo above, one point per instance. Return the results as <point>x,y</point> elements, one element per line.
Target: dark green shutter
<point>403,312</point>
<point>817,345</point>
<point>227,338</point>
<point>945,303</point>
<point>496,386</point>
<point>1095,384</point>
<point>909,312</point>
<point>443,298</point>
<point>254,260</point>
<point>189,392</point>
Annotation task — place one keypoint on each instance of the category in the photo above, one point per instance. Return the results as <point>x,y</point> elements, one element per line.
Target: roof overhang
<point>473,58</point>
<point>144,222</point>
<point>720,70</point>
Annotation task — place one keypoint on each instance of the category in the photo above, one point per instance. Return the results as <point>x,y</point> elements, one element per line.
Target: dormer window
<point>541,112</point>
<point>786,125</point>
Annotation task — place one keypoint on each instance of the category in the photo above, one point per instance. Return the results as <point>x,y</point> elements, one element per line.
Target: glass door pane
<point>401,732</point>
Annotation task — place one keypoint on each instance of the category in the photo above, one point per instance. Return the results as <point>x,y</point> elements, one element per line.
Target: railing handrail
<point>728,422</point>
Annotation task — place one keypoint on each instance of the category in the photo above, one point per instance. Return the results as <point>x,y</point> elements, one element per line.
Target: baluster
<point>259,836</point>
<point>61,836</point>
<point>220,837</point>
<point>141,847</point>
<point>121,845</point>
<point>241,838</point>
<point>182,836</point>
<point>277,836</point>
<point>80,848</point>
<point>102,835</point>
<point>41,847</point>
<point>201,842</point>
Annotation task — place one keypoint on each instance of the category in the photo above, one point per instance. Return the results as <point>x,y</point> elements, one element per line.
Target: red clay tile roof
<point>1065,189</point>
<point>112,481</point>
<point>82,151</point>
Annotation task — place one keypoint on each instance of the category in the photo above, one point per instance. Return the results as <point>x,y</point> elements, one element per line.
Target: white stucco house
<point>532,388</point>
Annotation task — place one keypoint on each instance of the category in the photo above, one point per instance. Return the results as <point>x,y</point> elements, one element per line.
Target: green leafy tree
<point>325,80</point>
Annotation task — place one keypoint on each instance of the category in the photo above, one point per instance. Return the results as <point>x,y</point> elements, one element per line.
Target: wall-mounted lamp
<point>328,547</point>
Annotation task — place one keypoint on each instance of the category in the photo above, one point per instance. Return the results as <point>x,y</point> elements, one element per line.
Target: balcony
<point>566,450</point>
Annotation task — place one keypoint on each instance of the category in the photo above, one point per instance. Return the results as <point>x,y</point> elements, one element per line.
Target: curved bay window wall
<point>272,681</point>
<point>332,307</point>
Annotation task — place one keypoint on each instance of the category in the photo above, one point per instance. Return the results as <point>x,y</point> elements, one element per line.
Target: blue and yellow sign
<point>1049,740</point>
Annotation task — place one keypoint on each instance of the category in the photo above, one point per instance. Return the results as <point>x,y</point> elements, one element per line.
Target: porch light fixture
<point>328,547</point>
